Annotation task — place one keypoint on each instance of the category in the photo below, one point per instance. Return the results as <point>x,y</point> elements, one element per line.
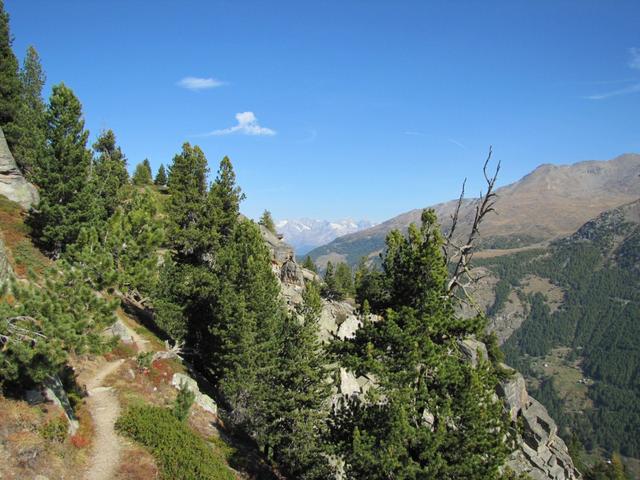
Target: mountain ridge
<point>550,202</point>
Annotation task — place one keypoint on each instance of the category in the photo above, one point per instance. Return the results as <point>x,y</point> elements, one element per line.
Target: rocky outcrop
<point>541,453</point>
<point>12,184</point>
<point>204,401</point>
<point>280,251</point>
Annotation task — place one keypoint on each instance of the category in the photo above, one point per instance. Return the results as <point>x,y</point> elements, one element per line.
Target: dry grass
<point>25,453</point>
<point>137,464</point>
<point>24,257</point>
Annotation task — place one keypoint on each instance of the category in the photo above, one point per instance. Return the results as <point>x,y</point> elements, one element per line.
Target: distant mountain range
<point>548,203</point>
<point>305,234</point>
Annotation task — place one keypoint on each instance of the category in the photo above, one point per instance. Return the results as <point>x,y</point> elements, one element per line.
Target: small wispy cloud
<point>457,143</point>
<point>247,125</point>
<point>634,64</point>
<point>199,83</point>
<point>616,93</point>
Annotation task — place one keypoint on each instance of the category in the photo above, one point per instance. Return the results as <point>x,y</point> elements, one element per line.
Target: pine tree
<point>109,173</point>
<point>31,114</point>
<point>226,197</point>
<point>123,252</point>
<point>266,220</point>
<point>344,281</point>
<point>187,210</point>
<point>302,408</point>
<point>41,324</point>
<point>432,414</point>
<point>10,89</point>
<point>142,174</point>
<point>147,165</point>
<point>309,264</point>
<point>67,203</point>
<point>161,177</point>
<point>294,407</point>
<point>329,287</point>
<point>183,402</point>
<point>369,287</point>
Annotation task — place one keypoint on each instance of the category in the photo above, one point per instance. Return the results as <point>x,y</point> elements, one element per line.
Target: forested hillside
<point>582,355</point>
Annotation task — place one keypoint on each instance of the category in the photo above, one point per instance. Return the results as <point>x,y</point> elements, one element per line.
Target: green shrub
<point>144,360</point>
<point>180,453</point>
<point>55,430</point>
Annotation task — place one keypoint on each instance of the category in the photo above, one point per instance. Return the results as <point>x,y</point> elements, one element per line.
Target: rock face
<point>12,183</point>
<point>542,454</point>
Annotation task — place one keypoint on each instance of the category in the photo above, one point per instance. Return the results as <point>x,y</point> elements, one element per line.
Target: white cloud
<point>198,83</point>
<point>634,62</point>
<point>247,125</point>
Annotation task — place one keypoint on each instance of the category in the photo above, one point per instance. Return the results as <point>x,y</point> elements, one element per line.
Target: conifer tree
<point>10,90</point>
<point>344,281</point>
<point>67,203</point>
<point>161,177</point>
<point>41,324</point>
<point>329,287</point>
<point>187,210</point>
<point>142,174</point>
<point>266,220</point>
<point>432,413</point>
<point>226,197</point>
<point>31,114</point>
<point>184,401</point>
<point>299,407</point>
<point>309,264</point>
<point>109,173</point>
<point>122,253</point>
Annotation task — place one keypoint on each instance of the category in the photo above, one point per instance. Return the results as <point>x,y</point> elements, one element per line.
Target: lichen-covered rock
<point>12,184</point>
<point>514,393</point>
<point>474,350</point>
<point>541,453</point>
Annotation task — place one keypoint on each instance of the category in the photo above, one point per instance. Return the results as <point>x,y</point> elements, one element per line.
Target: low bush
<point>179,452</point>
<point>55,430</point>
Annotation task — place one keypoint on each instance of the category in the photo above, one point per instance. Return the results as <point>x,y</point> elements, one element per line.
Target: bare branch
<point>20,332</point>
<point>461,255</point>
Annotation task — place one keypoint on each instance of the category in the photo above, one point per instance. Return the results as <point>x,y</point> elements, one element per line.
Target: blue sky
<point>365,109</point>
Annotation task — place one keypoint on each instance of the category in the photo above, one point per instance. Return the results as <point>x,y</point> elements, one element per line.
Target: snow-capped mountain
<point>305,234</point>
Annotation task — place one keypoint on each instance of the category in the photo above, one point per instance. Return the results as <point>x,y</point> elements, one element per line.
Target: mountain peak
<point>305,234</point>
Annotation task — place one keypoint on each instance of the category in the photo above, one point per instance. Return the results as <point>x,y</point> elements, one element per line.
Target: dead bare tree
<point>460,253</point>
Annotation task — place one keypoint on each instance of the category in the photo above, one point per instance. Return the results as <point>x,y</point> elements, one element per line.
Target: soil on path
<point>105,408</point>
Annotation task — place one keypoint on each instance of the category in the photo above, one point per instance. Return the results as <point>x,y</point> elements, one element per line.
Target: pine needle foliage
<point>41,324</point>
<point>432,414</point>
